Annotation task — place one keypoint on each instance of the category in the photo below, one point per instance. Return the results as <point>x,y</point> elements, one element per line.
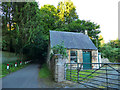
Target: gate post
<point>59,69</point>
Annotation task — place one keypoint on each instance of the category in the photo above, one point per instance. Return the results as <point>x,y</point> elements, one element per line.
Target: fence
<point>94,75</point>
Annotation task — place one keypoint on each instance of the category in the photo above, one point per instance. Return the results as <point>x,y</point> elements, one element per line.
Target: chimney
<point>86,32</point>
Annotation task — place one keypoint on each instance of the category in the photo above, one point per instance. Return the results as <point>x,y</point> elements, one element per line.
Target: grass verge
<point>44,71</point>
<point>4,71</point>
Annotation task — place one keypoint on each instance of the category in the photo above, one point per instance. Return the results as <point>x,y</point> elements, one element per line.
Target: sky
<point>102,12</point>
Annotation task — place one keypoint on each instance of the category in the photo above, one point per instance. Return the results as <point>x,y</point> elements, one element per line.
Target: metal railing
<point>94,75</point>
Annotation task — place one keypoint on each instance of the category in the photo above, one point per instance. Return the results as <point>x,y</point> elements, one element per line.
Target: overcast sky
<point>102,12</point>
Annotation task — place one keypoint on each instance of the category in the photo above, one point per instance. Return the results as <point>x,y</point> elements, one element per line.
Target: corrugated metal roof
<point>71,40</point>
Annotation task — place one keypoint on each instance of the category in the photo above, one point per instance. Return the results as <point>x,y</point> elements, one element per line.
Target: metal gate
<point>105,76</point>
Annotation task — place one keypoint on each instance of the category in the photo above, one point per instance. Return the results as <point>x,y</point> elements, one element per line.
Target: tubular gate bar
<point>94,75</point>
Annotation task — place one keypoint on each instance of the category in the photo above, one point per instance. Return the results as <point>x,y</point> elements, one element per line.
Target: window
<point>73,56</point>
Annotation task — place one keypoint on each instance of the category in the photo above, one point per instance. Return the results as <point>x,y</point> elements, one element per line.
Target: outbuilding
<point>80,47</point>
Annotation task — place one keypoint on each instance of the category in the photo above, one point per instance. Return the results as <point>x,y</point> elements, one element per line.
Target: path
<point>24,78</point>
<point>28,78</point>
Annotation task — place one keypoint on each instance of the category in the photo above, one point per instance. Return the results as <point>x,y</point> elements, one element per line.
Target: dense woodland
<point>25,27</point>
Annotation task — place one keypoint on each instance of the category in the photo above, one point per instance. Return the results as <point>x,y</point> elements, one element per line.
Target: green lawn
<point>74,74</point>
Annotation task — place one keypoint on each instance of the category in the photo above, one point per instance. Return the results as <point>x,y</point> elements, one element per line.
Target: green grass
<point>74,75</point>
<point>44,72</point>
<point>4,71</point>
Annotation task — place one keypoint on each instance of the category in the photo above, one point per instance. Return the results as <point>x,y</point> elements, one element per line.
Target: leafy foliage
<point>60,49</point>
<point>27,36</point>
<point>111,51</point>
<point>25,27</point>
<point>101,39</point>
<point>66,11</point>
<point>81,26</point>
<point>49,17</point>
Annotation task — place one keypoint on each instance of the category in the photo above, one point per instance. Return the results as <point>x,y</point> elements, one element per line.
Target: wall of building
<point>95,58</point>
<point>80,56</point>
<point>94,55</point>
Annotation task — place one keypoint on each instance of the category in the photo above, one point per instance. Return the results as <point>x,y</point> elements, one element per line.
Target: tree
<point>101,40</point>
<point>6,9</point>
<point>111,51</point>
<point>114,43</point>
<point>49,17</point>
<point>80,26</point>
<point>28,33</point>
<point>66,11</point>
<point>28,26</point>
<point>27,30</point>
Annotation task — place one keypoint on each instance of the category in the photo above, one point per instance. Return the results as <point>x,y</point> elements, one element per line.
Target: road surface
<point>24,78</point>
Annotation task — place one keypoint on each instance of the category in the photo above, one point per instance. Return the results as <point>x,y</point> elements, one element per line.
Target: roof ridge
<point>67,32</point>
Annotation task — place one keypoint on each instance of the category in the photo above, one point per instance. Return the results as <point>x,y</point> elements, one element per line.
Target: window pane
<point>73,56</point>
